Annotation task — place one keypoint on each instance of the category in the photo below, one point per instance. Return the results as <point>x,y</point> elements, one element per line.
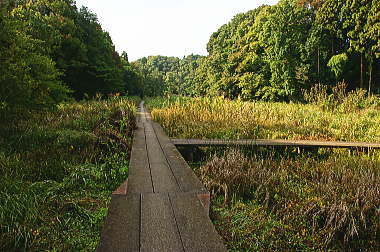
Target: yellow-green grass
<point>58,169</point>
<point>225,119</point>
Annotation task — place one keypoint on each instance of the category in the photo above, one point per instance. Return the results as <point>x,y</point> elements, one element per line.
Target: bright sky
<point>165,27</point>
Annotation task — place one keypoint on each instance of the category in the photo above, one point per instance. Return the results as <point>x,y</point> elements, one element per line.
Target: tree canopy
<point>168,75</point>
<point>276,52</point>
<point>50,50</point>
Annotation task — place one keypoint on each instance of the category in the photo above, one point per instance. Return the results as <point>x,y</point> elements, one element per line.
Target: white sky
<point>165,27</point>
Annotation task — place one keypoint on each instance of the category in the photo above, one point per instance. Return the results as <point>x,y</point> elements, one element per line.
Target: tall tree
<point>29,78</point>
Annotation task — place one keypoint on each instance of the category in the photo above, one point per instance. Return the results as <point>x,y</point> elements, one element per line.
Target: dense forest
<point>168,75</point>
<point>51,52</point>
<point>276,52</point>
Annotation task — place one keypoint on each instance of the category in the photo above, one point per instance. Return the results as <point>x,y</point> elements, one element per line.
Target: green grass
<point>224,119</point>
<point>58,171</point>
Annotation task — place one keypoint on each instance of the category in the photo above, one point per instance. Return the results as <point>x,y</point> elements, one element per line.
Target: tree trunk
<point>370,78</point>
<point>319,76</point>
<point>361,71</point>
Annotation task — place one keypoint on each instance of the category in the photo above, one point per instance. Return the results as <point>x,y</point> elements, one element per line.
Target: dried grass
<point>339,197</point>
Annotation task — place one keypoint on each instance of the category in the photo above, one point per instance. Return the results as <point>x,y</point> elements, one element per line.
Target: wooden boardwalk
<point>163,206</point>
<point>275,143</point>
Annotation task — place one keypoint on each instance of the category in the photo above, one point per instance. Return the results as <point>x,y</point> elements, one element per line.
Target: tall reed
<point>225,119</point>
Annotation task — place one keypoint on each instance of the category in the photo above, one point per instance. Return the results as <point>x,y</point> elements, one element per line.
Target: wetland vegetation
<point>276,199</point>
<point>299,69</point>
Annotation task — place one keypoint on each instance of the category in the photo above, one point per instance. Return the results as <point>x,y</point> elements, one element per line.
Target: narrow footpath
<point>162,206</point>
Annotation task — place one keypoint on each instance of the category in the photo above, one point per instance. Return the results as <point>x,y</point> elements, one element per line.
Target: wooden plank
<point>196,230</point>
<point>139,184</point>
<point>148,219</point>
<point>162,176</point>
<point>139,177</point>
<point>159,230</point>
<point>269,142</point>
<point>121,230</point>
<point>186,178</point>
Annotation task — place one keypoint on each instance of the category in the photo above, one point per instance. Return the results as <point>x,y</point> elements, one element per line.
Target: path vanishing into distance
<point>162,206</point>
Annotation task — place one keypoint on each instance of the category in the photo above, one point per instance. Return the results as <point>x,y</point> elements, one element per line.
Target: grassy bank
<point>58,170</point>
<point>350,120</point>
<point>312,202</point>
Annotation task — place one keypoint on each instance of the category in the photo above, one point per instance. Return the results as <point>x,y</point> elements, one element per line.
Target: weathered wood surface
<point>274,143</point>
<point>196,230</point>
<point>186,179</point>
<point>121,230</point>
<point>165,206</point>
<point>159,230</point>
<point>139,173</point>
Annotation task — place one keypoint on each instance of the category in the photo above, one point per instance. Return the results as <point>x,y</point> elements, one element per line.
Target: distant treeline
<point>50,52</point>
<point>276,52</point>
<point>161,75</point>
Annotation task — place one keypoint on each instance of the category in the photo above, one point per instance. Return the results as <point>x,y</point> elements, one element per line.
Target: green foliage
<point>283,36</point>
<point>167,75</point>
<point>337,99</point>
<point>134,80</point>
<point>49,47</point>
<point>337,64</point>
<point>274,52</point>
<point>260,54</point>
<point>28,77</point>
<point>56,198</point>
<point>353,25</point>
<point>248,226</point>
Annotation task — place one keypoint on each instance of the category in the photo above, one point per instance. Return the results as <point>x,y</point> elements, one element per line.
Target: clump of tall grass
<point>337,98</point>
<point>225,119</point>
<point>327,203</point>
<point>58,169</point>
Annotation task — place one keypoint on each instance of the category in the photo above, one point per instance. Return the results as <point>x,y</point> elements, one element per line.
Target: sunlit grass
<point>226,119</point>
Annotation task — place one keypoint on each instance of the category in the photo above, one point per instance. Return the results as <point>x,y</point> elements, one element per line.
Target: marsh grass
<point>307,202</point>
<point>350,120</point>
<point>336,98</point>
<point>58,169</point>
<point>279,199</point>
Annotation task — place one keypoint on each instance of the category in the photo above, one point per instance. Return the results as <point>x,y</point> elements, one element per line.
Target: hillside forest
<point>51,51</point>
